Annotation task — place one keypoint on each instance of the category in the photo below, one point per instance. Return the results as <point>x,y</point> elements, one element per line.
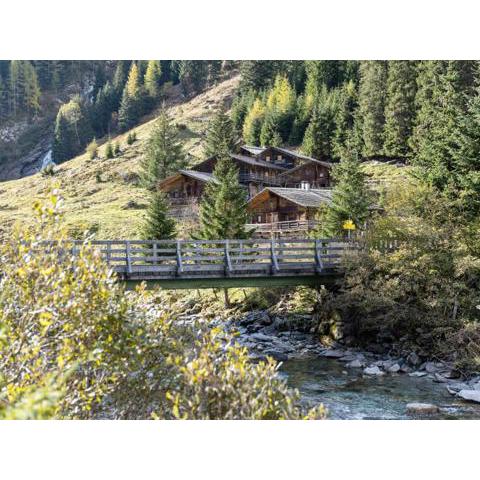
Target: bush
<point>48,170</point>
<point>92,149</point>
<point>116,149</point>
<point>422,296</point>
<point>131,137</point>
<point>109,150</point>
<point>74,344</point>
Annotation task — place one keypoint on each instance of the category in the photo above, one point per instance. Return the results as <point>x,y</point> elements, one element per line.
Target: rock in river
<point>422,408</point>
<point>472,395</point>
<point>355,364</point>
<point>373,370</point>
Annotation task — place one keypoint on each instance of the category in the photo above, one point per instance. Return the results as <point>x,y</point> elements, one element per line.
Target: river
<point>348,394</point>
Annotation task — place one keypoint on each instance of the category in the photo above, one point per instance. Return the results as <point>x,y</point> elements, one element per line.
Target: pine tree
<point>152,78</point>
<point>350,197</point>
<point>157,224</point>
<point>240,106</point>
<point>223,208</point>
<point>371,99</point>
<point>253,123</point>
<point>63,141</point>
<point>220,138</point>
<point>164,153</point>
<point>400,107</point>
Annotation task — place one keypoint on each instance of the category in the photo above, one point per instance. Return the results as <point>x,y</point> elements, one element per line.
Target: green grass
<point>103,206</point>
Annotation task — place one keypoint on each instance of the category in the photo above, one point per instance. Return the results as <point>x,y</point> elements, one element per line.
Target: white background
<point>207,29</point>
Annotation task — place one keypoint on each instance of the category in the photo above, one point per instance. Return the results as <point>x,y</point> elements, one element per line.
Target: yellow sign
<point>349,225</point>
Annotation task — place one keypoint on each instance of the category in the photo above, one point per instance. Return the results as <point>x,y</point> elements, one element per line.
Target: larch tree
<point>131,106</point>
<point>400,107</point>
<point>371,99</point>
<point>253,123</point>
<point>164,153</point>
<point>152,78</point>
<point>220,137</point>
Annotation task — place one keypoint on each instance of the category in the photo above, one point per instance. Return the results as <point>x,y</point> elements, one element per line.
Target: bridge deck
<point>298,261</point>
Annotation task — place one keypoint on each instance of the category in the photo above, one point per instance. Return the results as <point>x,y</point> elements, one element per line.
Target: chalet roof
<point>298,167</point>
<point>200,176</point>
<point>256,162</point>
<point>312,198</point>
<point>252,149</point>
<point>302,157</point>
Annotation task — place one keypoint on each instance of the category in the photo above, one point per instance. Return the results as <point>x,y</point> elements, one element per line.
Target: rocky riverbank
<point>265,335</point>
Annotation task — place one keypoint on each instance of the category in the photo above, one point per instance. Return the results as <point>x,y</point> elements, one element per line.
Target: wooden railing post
<point>227,260</point>
<point>274,264</point>
<point>128,258</point>
<point>318,257</point>
<point>109,253</point>
<point>179,259</point>
<point>155,257</point>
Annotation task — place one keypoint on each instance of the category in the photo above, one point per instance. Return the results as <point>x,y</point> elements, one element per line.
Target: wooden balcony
<point>288,226</point>
<point>253,178</point>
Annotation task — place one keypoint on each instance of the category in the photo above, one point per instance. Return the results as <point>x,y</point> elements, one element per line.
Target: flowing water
<point>349,395</point>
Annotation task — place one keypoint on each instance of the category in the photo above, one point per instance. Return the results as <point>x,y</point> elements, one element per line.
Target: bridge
<point>223,263</point>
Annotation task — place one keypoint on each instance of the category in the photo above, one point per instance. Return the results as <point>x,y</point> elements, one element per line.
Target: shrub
<point>116,149</point>
<point>59,312</point>
<point>131,137</point>
<point>48,170</point>
<point>74,344</point>
<point>109,150</point>
<point>92,149</point>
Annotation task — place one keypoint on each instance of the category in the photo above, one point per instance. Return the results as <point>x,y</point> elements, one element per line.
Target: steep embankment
<point>103,195</point>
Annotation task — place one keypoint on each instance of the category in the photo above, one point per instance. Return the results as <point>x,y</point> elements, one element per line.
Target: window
<point>259,219</point>
<point>267,158</point>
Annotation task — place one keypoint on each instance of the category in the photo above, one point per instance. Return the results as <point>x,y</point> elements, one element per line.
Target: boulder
<point>332,353</point>
<point>395,368</point>
<point>422,408</point>
<point>417,374</point>
<point>430,367</point>
<point>439,378</point>
<point>261,337</point>
<point>472,395</point>
<point>276,354</point>
<point>355,364</point>
<point>373,370</point>
<point>413,359</point>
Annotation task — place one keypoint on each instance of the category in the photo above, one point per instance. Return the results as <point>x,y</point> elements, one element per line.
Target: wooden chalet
<point>254,173</point>
<point>313,173</point>
<point>291,207</point>
<point>185,187</point>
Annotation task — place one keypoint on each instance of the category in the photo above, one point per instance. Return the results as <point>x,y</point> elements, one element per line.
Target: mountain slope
<point>103,195</point>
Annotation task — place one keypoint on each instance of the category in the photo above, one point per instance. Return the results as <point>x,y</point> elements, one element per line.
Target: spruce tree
<point>319,133</point>
<point>371,99</point>
<point>400,107</point>
<point>435,137</point>
<point>344,117</point>
<point>256,74</point>
<point>223,208</point>
<point>350,197</point>
<point>220,138</point>
<point>270,131</point>
<point>157,225</point>
<point>164,154</point>
<point>109,150</point>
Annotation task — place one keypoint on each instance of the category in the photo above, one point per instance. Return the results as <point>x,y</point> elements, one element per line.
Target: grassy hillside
<point>101,194</point>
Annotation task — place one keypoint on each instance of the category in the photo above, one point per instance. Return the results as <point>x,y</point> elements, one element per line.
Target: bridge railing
<point>220,258</point>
